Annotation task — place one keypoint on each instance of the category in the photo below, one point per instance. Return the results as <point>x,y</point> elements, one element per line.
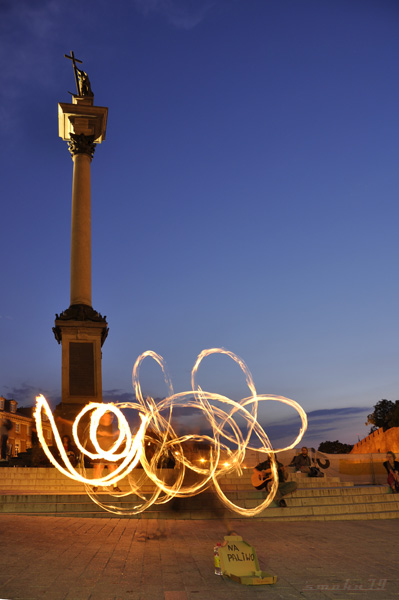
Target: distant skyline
<point>245,197</point>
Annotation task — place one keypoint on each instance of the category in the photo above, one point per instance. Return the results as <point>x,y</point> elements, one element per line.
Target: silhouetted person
<point>106,437</point>
<point>6,427</point>
<point>70,450</point>
<point>392,467</point>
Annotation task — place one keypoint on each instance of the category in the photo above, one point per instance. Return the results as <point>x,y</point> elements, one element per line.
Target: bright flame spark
<point>156,434</point>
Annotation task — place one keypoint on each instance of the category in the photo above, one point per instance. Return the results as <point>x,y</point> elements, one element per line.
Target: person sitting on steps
<point>302,462</point>
<point>392,467</point>
<point>262,480</point>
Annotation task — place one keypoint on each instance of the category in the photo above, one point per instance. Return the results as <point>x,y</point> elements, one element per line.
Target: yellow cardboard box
<point>238,561</point>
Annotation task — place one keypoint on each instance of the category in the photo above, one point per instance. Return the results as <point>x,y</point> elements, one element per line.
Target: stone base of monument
<point>239,562</point>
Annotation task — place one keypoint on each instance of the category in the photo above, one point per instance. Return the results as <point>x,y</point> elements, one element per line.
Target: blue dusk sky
<point>245,197</point>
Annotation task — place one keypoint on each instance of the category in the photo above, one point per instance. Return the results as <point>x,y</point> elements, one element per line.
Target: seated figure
<point>262,479</point>
<point>302,461</point>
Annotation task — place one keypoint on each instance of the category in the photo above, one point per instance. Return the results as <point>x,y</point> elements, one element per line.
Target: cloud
<point>28,31</point>
<point>323,424</point>
<point>26,28</point>
<point>25,394</point>
<point>183,14</point>
<point>326,413</point>
<point>117,395</point>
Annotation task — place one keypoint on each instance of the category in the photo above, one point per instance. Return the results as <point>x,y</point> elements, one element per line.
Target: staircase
<point>46,492</point>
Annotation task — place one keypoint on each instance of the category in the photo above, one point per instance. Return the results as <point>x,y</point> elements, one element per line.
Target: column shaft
<point>81,231</point>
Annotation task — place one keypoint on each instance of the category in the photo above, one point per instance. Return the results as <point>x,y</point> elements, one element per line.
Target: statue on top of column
<point>84,84</point>
<point>81,78</point>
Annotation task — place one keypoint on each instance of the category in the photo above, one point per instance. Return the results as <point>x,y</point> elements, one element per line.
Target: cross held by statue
<point>81,78</point>
<point>75,69</point>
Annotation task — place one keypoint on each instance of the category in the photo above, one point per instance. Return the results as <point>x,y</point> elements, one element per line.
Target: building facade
<point>23,426</point>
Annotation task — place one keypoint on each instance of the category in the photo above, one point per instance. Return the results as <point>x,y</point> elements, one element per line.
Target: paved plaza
<point>60,558</point>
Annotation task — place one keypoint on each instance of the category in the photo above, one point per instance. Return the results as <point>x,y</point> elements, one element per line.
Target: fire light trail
<point>156,430</point>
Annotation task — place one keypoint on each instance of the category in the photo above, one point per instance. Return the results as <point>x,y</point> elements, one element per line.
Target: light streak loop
<point>156,430</point>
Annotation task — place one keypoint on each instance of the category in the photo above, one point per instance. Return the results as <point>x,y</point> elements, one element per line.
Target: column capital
<point>79,143</point>
<point>83,315</point>
<point>80,117</point>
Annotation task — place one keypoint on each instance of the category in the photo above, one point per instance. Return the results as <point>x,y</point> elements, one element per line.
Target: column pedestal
<point>81,331</point>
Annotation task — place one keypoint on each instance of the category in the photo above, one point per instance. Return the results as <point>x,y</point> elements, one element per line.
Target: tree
<point>335,447</point>
<point>385,415</point>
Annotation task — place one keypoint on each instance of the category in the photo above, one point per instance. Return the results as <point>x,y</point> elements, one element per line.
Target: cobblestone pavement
<point>61,558</point>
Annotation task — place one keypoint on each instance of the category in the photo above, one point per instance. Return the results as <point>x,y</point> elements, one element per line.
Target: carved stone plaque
<point>81,369</point>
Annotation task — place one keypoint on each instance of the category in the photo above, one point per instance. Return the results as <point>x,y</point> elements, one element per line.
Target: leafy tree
<point>335,447</point>
<point>385,415</point>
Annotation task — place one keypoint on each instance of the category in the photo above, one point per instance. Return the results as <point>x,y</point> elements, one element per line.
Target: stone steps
<point>82,506</point>
<point>47,492</point>
<point>51,480</point>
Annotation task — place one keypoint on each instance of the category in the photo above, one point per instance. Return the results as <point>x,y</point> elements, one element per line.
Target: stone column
<point>82,149</point>
<point>80,329</point>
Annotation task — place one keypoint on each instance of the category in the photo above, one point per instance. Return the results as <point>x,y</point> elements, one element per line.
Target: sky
<point>245,197</point>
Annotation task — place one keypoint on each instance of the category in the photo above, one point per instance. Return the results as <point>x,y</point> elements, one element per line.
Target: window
<point>17,428</point>
<point>13,406</point>
<point>1,403</point>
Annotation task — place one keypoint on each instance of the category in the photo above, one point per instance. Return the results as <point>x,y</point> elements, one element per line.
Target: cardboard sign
<point>238,561</point>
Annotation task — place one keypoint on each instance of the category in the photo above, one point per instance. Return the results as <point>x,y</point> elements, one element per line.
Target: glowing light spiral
<point>156,429</point>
